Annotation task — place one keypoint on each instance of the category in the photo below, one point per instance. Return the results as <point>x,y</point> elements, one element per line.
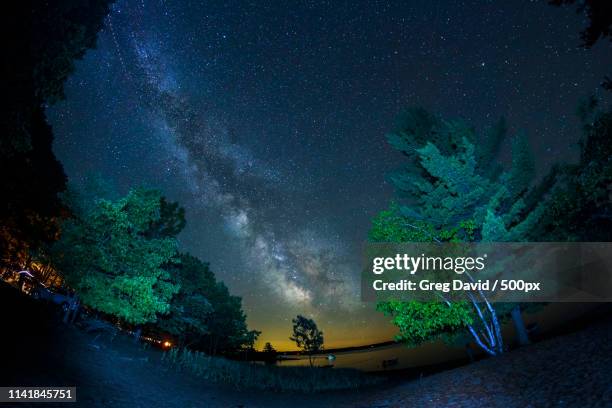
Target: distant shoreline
<point>342,349</point>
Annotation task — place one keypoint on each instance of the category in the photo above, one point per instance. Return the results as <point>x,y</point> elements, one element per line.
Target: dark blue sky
<point>267,121</point>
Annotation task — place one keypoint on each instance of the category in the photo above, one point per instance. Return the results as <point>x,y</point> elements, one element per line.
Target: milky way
<point>298,266</point>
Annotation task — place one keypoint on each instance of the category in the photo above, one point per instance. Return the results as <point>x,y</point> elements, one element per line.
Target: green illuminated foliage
<point>454,191</point>
<point>110,257</point>
<point>420,322</point>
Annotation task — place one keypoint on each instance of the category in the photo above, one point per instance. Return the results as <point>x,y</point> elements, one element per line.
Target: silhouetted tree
<point>171,220</point>
<point>307,336</point>
<point>227,328</point>
<point>270,353</point>
<point>599,14</point>
<point>41,41</point>
<point>190,308</point>
<point>580,203</point>
<point>249,342</point>
<point>203,314</point>
<point>268,348</point>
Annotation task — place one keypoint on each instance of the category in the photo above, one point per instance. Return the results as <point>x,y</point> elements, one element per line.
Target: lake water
<point>372,359</point>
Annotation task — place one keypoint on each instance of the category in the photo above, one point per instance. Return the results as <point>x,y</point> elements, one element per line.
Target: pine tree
<point>453,193</point>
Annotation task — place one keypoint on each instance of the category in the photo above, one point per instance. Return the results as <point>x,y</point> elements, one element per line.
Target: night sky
<point>267,122</point>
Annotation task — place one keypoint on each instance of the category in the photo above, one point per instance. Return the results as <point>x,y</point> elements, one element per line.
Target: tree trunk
<point>497,343</point>
<point>490,339</point>
<point>519,325</point>
<point>496,326</point>
<point>480,343</point>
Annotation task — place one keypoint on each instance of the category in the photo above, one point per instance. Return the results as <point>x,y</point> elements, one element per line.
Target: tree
<point>171,220</point>
<point>203,313</point>
<point>190,309</point>
<point>307,336</point>
<point>420,322</point>
<point>31,180</point>
<point>46,38</point>
<point>456,195</point>
<point>109,258</point>
<point>268,348</point>
<point>270,353</point>
<point>227,327</point>
<point>579,207</point>
<point>249,342</point>
<point>599,15</point>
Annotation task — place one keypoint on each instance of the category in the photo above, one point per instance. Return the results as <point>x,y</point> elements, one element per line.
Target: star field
<point>267,122</point>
